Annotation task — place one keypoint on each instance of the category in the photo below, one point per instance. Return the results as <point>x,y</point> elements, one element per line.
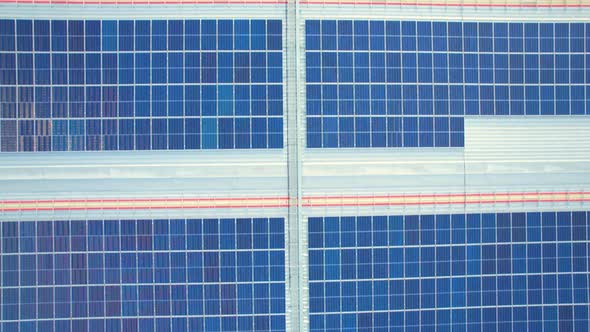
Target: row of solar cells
<point>378,35</point>
<point>95,101</point>
<point>139,68</point>
<point>517,318</point>
<point>384,131</point>
<point>151,324</point>
<point>444,293</point>
<point>439,99</point>
<point>209,300</point>
<point>489,271</point>
<point>139,35</point>
<point>429,230</point>
<point>143,268</point>
<point>141,235</point>
<point>142,134</point>
<point>442,68</point>
<point>162,275</point>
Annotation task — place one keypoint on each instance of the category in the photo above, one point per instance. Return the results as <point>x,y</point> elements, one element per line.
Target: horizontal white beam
<point>154,174</point>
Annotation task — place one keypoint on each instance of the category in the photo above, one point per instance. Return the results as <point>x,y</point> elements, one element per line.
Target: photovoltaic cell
<point>140,85</point>
<point>143,275</point>
<point>373,83</point>
<point>480,272</point>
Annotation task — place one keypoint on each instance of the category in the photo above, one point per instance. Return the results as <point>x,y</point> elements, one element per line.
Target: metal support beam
<point>294,119</point>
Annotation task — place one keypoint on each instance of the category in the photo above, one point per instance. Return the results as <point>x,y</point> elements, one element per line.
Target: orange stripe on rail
<point>452,3</point>
<point>284,202</point>
<point>447,199</point>
<point>147,2</point>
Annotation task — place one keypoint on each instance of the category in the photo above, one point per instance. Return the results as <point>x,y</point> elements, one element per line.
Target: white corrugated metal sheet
<point>527,153</point>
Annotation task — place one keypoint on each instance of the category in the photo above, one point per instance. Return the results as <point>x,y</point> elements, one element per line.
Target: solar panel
<point>143,275</point>
<point>374,83</point>
<point>140,85</point>
<point>502,271</point>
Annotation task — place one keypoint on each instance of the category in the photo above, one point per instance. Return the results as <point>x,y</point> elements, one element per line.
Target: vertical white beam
<point>294,116</point>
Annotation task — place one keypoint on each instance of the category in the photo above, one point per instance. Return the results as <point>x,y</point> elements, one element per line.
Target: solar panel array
<point>102,85</point>
<point>374,83</point>
<point>140,85</point>
<point>143,275</point>
<point>477,272</point>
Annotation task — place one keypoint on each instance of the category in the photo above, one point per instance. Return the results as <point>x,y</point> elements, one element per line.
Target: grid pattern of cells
<point>476,272</point>
<point>407,84</point>
<point>140,85</point>
<point>143,275</point>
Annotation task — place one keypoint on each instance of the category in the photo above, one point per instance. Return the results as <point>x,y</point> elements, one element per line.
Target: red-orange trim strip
<point>443,4</point>
<point>145,199</point>
<point>460,195</point>
<point>450,203</point>
<point>148,2</point>
<point>283,202</point>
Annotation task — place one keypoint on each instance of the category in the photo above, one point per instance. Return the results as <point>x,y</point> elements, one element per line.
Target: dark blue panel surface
<point>140,85</point>
<point>462,272</point>
<point>136,275</point>
<point>409,84</point>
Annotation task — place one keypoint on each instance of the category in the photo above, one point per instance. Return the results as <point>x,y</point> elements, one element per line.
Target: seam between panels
<point>302,144</point>
<point>296,297</point>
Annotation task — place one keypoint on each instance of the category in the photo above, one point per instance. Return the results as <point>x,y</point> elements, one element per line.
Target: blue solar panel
<point>496,272</point>
<point>140,85</point>
<point>143,275</point>
<point>409,84</point>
